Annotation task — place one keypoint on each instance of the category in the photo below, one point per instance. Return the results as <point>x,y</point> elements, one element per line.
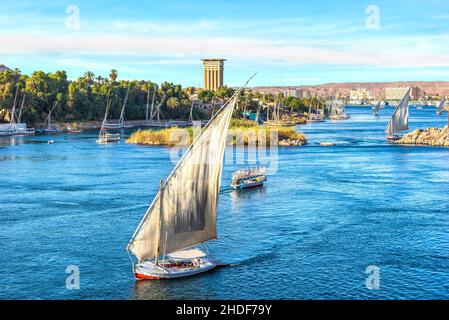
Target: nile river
<point>322,218</point>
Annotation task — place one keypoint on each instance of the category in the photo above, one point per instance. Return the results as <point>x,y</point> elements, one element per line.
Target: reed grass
<point>240,133</point>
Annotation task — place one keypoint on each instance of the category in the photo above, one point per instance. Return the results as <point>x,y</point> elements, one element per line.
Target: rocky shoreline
<point>292,143</point>
<point>430,137</point>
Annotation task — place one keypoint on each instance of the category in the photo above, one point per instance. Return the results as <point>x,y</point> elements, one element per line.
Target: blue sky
<point>286,42</point>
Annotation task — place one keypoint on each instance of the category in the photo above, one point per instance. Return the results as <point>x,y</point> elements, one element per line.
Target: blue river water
<point>324,215</point>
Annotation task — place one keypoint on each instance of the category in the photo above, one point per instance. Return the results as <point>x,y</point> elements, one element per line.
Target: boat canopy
<point>187,254</point>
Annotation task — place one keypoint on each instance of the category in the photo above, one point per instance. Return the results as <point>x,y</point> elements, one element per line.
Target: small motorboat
<point>248,178</point>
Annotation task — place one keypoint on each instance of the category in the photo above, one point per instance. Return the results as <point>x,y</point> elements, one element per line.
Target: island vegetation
<point>241,132</point>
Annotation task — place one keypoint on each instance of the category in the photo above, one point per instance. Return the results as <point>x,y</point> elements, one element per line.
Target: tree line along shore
<point>84,99</point>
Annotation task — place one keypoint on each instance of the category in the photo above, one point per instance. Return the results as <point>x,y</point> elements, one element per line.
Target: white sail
<point>189,195</point>
<point>399,118</point>
<point>377,108</point>
<point>440,107</point>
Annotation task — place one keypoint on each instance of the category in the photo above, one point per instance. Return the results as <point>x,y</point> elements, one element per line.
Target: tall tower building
<point>213,73</point>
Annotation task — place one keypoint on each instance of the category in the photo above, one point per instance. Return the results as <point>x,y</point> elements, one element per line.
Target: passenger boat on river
<point>248,178</point>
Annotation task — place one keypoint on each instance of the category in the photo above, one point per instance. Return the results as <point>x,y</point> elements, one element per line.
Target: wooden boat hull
<point>393,138</point>
<point>249,185</point>
<point>147,270</point>
<point>25,133</point>
<point>106,141</point>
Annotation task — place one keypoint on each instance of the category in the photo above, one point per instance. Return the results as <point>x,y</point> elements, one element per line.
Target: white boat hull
<point>148,270</point>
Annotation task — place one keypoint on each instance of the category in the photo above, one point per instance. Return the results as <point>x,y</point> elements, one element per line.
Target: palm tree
<point>89,76</point>
<point>113,75</point>
<point>172,104</point>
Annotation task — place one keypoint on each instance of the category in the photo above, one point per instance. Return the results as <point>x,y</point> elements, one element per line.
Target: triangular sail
<point>377,108</point>
<point>440,107</point>
<point>399,118</point>
<point>189,195</point>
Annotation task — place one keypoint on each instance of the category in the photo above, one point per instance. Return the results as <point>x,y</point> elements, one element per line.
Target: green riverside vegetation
<point>84,99</point>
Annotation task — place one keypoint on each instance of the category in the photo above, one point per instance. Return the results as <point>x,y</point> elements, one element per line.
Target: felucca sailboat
<point>440,107</point>
<point>120,123</point>
<point>399,119</point>
<point>104,136</point>
<point>184,212</point>
<point>376,108</point>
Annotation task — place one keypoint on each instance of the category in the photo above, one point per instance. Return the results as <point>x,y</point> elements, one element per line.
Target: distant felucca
<point>318,116</point>
<point>376,108</point>
<point>120,124</point>
<point>440,107</point>
<point>184,212</point>
<point>21,128</point>
<point>399,119</point>
<point>338,111</point>
<point>276,119</point>
<point>51,128</point>
<point>104,137</point>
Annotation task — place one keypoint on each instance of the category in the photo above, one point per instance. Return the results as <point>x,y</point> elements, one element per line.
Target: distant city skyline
<point>289,43</point>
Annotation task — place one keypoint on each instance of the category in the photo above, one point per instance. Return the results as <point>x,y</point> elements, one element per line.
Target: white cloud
<point>253,50</point>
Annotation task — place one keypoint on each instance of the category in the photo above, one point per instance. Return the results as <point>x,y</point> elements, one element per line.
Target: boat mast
<point>108,103</point>
<point>122,113</point>
<point>191,111</point>
<point>158,108</point>
<point>49,115</point>
<point>19,118</point>
<point>257,112</point>
<point>161,208</point>
<point>13,111</point>
<point>268,112</point>
<point>152,103</point>
<point>148,104</point>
